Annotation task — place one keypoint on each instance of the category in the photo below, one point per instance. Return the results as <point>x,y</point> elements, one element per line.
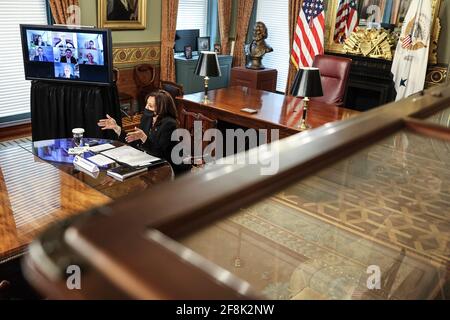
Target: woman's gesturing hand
<point>109,124</point>
<point>137,134</point>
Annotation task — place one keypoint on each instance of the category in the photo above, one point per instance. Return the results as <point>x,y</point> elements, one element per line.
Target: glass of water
<point>78,136</point>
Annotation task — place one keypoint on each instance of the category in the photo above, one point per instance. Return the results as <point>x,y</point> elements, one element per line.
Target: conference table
<point>39,186</point>
<point>274,111</point>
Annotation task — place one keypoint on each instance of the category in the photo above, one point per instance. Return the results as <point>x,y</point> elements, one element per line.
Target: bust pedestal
<point>265,79</point>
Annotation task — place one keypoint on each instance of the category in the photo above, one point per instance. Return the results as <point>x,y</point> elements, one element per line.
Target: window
<point>277,21</point>
<point>193,14</point>
<point>14,89</point>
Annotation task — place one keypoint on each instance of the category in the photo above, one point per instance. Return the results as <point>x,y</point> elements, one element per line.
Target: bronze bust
<point>256,50</point>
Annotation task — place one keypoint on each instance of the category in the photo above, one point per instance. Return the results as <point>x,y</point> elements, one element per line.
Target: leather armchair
<point>335,73</point>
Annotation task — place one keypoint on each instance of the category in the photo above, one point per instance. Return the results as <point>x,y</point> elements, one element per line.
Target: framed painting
<point>188,52</point>
<point>122,14</point>
<point>203,44</point>
<point>218,48</point>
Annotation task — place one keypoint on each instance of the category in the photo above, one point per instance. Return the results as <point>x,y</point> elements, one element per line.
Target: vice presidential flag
<point>309,33</point>
<point>411,57</point>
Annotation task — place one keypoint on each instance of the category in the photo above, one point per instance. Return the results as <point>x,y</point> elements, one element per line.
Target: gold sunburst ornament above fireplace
<point>371,43</point>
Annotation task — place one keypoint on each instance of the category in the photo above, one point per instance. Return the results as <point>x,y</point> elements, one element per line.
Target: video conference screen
<point>63,54</point>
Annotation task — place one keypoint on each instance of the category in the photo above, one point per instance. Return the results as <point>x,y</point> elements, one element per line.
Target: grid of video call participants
<point>66,51</point>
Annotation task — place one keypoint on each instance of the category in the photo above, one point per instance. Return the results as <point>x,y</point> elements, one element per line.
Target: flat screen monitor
<point>185,38</point>
<point>69,54</point>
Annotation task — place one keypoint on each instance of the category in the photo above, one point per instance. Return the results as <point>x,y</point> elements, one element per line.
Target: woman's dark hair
<point>165,105</point>
<point>36,39</point>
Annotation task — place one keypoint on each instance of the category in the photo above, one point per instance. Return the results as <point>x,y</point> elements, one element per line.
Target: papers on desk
<point>101,147</point>
<point>101,160</point>
<point>130,156</point>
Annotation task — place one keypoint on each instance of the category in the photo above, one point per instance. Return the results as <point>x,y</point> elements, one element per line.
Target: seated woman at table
<point>154,135</point>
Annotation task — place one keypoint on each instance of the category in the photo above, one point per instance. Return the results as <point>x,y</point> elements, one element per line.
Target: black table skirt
<point>57,108</point>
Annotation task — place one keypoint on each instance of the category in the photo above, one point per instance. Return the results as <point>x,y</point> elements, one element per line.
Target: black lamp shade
<point>307,83</point>
<point>208,65</point>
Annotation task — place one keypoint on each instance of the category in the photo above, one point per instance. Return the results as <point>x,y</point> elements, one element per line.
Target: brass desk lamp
<point>307,84</point>
<point>207,67</point>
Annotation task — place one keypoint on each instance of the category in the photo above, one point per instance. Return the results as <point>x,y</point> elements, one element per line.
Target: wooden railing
<point>132,246</point>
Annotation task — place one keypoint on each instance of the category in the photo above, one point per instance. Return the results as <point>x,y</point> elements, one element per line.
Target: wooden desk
<point>275,111</point>
<point>35,193</point>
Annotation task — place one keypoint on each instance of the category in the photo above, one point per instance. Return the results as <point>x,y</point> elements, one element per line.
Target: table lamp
<point>307,84</point>
<point>208,66</point>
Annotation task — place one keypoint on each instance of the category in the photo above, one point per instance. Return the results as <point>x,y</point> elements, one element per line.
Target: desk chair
<point>334,72</point>
<point>128,124</point>
<point>144,77</point>
<point>187,120</point>
<point>175,89</point>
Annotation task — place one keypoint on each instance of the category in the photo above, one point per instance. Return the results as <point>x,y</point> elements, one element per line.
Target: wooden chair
<point>188,120</point>
<point>175,89</point>
<point>144,77</point>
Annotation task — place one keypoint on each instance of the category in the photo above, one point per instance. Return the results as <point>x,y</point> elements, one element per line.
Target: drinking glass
<point>78,136</point>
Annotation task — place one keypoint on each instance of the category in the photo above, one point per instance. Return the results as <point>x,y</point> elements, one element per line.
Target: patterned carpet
<point>387,206</point>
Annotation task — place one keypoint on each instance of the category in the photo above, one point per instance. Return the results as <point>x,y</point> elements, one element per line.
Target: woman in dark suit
<point>159,121</point>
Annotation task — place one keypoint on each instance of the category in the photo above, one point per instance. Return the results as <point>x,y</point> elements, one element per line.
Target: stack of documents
<point>122,173</point>
<point>101,147</point>
<point>130,156</point>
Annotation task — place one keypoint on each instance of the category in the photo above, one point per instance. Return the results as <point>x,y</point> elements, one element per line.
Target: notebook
<point>122,173</point>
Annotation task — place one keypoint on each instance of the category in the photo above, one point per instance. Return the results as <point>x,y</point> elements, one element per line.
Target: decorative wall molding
<point>134,54</point>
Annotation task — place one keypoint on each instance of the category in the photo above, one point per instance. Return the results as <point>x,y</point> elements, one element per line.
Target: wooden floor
<point>15,132</point>
<point>33,194</point>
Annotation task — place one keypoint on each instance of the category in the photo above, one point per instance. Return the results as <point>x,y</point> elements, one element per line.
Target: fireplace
<point>370,84</point>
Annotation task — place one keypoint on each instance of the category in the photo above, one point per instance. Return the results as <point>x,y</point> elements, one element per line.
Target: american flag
<point>309,33</point>
<point>407,42</point>
<point>346,20</point>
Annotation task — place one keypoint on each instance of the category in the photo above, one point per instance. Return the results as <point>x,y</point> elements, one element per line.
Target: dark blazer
<point>62,75</point>
<point>44,58</point>
<point>72,60</point>
<point>160,144</point>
